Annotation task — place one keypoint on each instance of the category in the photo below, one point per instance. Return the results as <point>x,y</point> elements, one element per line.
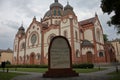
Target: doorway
<point>32,58</point>
<point>89,57</point>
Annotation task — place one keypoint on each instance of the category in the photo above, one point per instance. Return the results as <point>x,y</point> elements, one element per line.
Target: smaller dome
<point>68,7</point>
<point>56,4</point>
<point>47,14</point>
<point>68,10</point>
<point>21,28</point>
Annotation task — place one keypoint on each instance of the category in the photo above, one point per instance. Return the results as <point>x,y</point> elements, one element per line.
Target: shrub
<point>27,66</point>
<point>7,63</point>
<point>83,66</point>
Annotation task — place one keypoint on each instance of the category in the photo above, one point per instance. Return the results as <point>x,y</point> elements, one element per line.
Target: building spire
<point>56,0</point>
<point>34,19</point>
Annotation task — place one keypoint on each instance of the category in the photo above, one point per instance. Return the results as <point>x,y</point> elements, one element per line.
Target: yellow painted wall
<point>5,56</point>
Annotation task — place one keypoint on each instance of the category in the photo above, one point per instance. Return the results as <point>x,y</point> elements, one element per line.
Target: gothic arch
<point>50,37</point>
<point>38,56</point>
<point>77,53</point>
<point>76,35</point>
<point>37,37</point>
<point>98,32</point>
<point>32,58</point>
<point>89,56</point>
<point>27,57</point>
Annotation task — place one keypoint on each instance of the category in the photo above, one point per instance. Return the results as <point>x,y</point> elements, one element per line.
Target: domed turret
<point>56,4</point>
<point>56,10</point>
<point>21,30</point>
<point>68,9</point>
<point>47,14</point>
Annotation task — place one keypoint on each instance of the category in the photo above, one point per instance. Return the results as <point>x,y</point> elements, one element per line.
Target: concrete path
<point>101,75</point>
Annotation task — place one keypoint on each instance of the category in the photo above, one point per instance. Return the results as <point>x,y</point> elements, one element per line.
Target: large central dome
<point>56,10</point>
<point>56,4</point>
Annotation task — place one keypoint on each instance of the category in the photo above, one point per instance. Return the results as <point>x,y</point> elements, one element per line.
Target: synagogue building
<point>85,37</point>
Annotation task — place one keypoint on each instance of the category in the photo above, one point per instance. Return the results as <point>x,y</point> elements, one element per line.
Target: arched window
<point>54,12</point>
<point>38,56</point>
<point>76,35</point>
<point>59,13</point>
<point>65,34</point>
<point>33,39</point>
<point>23,45</point>
<point>98,35</point>
<point>51,37</point>
<point>101,54</point>
<point>77,53</point>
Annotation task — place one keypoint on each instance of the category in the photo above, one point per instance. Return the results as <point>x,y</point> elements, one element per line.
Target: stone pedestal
<point>54,73</point>
<point>59,59</point>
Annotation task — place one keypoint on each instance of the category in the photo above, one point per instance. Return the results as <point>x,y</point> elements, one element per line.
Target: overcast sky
<point>14,12</point>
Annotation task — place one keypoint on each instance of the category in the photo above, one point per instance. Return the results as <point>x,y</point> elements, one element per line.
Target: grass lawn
<point>8,76</point>
<point>116,76</point>
<point>88,70</point>
<point>42,70</point>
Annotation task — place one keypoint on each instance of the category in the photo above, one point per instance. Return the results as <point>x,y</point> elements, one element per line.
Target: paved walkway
<point>101,75</point>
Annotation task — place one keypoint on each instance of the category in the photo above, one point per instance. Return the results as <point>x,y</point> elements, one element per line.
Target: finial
<point>22,24</point>
<point>67,2</point>
<point>95,13</point>
<point>56,0</point>
<point>41,19</point>
<point>34,19</point>
<point>34,16</point>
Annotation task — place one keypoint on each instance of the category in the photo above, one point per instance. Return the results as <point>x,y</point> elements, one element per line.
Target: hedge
<point>26,66</point>
<point>82,66</point>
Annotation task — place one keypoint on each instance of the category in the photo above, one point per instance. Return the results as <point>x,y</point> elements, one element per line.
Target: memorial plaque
<point>59,54</point>
<point>59,59</point>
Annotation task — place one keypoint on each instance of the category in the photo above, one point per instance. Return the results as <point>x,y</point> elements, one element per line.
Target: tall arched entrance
<point>89,57</point>
<point>32,58</point>
<point>112,55</point>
